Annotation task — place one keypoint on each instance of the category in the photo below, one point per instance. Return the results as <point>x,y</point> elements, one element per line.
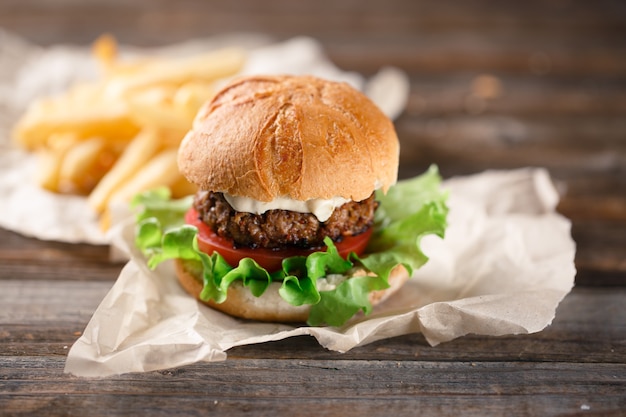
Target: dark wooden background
<point>559,101</point>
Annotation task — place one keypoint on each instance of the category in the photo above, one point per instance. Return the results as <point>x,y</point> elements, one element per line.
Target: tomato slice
<point>270,259</point>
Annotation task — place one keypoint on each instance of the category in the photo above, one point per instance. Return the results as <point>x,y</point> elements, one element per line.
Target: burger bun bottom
<point>270,307</point>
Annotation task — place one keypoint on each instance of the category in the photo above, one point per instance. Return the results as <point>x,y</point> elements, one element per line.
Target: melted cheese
<point>320,208</point>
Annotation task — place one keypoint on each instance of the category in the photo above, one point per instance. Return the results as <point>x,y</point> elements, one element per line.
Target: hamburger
<point>298,217</point>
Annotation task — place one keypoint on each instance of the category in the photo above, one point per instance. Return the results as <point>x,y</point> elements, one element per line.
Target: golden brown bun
<point>270,306</point>
<point>290,136</point>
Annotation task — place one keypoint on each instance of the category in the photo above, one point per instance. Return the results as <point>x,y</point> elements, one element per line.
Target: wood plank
<point>546,97</point>
<point>425,37</point>
<point>25,258</point>
<point>504,141</point>
<point>600,249</point>
<point>30,302</point>
<point>323,17</point>
<point>314,386</point>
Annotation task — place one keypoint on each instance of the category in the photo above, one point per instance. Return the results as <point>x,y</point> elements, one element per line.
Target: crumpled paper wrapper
<point>27,71</point>
<point>505,264</point>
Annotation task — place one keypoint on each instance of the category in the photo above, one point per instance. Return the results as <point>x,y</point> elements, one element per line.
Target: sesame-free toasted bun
<point>299,137</point>
<point>270,307</point>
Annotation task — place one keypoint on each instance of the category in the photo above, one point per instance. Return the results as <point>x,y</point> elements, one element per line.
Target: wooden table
<point>494,85</point>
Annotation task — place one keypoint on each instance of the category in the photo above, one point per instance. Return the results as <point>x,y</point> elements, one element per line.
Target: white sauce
<point>329,282</point>
<point>322,209</point>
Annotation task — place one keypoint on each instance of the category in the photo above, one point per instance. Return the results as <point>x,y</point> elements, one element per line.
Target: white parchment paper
<point>505,264</point>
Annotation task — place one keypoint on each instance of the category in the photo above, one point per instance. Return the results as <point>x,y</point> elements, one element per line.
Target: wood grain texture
<point>494,85</point>
<point>334,388</point>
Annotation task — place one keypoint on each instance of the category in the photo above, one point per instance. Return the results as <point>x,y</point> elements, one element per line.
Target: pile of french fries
<point>116,136</point>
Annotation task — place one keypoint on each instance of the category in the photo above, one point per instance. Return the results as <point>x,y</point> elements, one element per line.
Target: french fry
<point>182,187</point>
<point>104,49</point>
<point>168,107</point>
<point>136,154</point>
<point>192,95</point>
<point>50,161</point>
<point>161,170</point>
<point>80,158</point>
<point>85,164</point>
<point>160,115</point>
<point>84,120</point>
<point>207,67</point>
<point>105,220</point>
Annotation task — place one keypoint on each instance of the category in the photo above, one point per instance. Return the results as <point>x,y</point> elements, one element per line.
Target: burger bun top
<point>299,137</point>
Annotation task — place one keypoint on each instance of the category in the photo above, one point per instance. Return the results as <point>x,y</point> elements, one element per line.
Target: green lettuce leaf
<point>410,210</point>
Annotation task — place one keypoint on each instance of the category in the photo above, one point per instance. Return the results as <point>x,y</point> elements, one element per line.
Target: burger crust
<point>270,307</point>
<point>292,136</point>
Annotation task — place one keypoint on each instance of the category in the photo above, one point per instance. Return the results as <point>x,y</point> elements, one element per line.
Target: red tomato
<point>269,259</point>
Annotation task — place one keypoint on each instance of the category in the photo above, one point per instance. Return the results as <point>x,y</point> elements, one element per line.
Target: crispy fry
<point>104,49</point>
<point>50,161</point>
<point>192,95</point>
<point>182,187</point>
<point>105,220</point>
<point>85,164</point>
<point>84,120</point>
<point>207,67</point>
<point>168,107</point>
<point>160,115</point>
<point>138,152</point>
<point>162,170</point>
<point>80,158</point>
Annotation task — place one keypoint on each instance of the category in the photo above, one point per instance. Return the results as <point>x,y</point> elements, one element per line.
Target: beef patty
<point>282,228</point>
